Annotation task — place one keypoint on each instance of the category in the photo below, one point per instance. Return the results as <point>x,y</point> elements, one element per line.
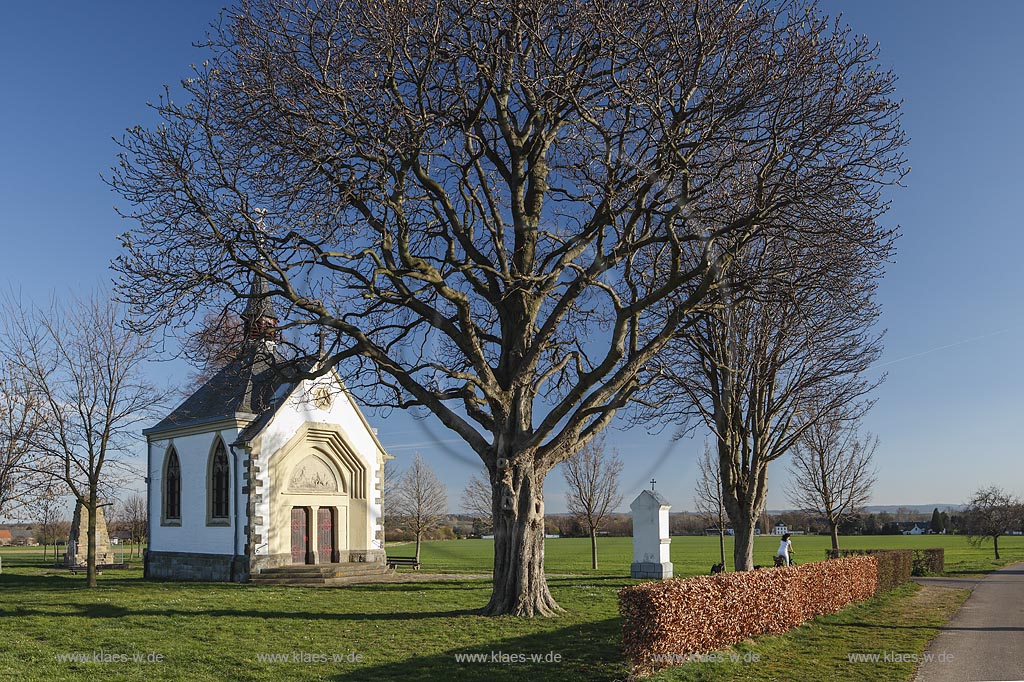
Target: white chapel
<point>255,471</point>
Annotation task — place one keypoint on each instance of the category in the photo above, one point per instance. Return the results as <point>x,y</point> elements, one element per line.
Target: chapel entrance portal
<point>300,535</point>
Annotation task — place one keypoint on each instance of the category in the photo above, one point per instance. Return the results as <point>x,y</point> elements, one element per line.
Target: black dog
<point>718,568</point>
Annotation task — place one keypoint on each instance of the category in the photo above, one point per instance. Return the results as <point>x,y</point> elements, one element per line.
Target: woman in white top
<point>785,549</point>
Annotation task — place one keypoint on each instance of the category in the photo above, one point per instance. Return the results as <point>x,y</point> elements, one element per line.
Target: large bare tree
<point>88,372</point>
<point>22,474</point>
<point>707,496</point>
<point>420,500</point>
<point>488,206</point>
<point>592,474</point>
<point>991,513</point>
<point>791,341</point>
<point>832,469</point>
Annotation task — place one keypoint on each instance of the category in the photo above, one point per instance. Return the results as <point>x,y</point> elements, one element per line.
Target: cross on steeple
<point>652,484</point>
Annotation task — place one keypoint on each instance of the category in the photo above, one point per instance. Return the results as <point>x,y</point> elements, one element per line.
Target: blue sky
<point>75,74</point>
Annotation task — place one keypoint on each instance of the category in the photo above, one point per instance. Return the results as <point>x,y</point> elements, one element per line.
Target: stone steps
<point>323,574</point>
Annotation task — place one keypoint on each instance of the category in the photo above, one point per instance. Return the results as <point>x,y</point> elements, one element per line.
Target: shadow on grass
<point>104,611</point>
<point>584,651</point>
<point>59,581</point>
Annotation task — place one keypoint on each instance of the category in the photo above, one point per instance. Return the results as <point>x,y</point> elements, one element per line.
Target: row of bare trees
<point>502,214</point>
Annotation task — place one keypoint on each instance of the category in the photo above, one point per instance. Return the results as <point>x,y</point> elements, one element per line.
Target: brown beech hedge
<point>667,621</point>
<point>895,566</point>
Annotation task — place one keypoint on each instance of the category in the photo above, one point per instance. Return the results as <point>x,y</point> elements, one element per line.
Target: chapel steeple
<point>259,318</point>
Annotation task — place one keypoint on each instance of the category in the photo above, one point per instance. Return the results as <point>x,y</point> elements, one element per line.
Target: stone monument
<point>78,543</point>
<point>650,536</point>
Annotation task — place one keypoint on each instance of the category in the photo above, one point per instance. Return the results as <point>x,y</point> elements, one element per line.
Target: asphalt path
<point>985,639</point>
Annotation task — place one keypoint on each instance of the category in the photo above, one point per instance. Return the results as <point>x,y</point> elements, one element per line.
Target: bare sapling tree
<point>88,372</point>
<point>420,500</point>
<point>48,513</point>
<point>134,519</point>
<point>991,513</point>
<point>592,475</point>
<point>707,495</point>
<point>22,473</point>
<point>832,470</point>
<point>476,498</point>
<point>496,213</point>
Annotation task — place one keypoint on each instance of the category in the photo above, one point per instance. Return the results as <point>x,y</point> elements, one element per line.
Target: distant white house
<point>916,530</point>
<point>780,529</point>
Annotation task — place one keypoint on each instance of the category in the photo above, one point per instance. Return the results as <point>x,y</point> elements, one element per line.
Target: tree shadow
<point>103,611</point>
<point>584,651</point>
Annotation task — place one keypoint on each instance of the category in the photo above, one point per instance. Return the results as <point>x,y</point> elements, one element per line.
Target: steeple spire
<point>259,318</point>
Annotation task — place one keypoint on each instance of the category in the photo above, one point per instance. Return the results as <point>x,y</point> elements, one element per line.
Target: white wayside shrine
<point>651,541</point>
<point>255,471</point>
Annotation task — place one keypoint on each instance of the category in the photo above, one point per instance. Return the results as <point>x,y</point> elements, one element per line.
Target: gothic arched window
<point>172,487</point>
<point>220,482</point>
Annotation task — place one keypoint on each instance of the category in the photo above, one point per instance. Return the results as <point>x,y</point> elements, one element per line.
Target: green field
<point>415,631</point>
<point>695,555</point>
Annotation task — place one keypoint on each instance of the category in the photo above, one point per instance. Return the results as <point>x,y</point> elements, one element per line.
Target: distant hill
<point>893,508</point>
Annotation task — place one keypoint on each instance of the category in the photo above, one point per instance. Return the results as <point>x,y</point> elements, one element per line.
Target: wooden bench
<point>396,561</point>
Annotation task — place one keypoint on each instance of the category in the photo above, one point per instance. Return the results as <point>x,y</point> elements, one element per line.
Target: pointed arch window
<point>220,483</point>
<point>172,488</point>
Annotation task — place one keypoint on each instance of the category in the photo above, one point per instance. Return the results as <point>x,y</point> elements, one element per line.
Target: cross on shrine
<point>652,484</point>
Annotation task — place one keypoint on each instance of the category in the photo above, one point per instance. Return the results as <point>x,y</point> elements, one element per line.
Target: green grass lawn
<point>416,631</point>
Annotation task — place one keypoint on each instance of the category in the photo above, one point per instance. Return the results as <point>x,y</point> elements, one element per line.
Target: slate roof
<point>656,495</point>
<point>245,387</point>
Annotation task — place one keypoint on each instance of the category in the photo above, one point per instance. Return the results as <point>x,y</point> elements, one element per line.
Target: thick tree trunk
<point>834,527</point>
<point>418,536</point>
<point>995,543</point>
<point>743,493</point>
<point>721,529</point>
<point>90,559</point>
<point>593,548</point>
<point>519,586</point>
<point>743,551</point>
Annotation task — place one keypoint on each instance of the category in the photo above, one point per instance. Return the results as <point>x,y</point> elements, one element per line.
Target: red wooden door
<point>325,534</point>
<point>300,540</point>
